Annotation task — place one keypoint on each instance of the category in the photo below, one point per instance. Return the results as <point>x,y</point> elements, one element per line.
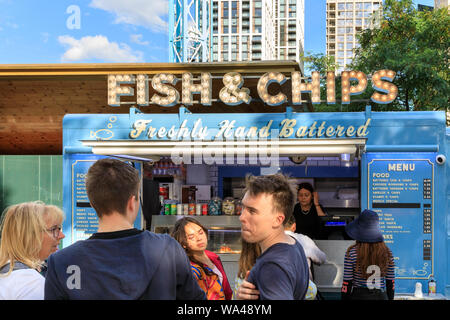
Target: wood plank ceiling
<point>35,98</point>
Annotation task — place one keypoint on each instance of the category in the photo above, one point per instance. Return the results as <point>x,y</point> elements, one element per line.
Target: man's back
<point>129,264</point>
<point>281,273</point>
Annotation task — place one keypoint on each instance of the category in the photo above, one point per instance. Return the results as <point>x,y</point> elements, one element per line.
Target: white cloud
<point>146,13</point>
<point>137,38</point>
<point>99,48</point>
<point>45,36</point>
<point>12,25</point>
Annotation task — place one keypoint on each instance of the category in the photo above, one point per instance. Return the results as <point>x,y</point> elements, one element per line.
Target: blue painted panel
<point>403,188</point>
<point>81,219</point>
<point>382,128</point>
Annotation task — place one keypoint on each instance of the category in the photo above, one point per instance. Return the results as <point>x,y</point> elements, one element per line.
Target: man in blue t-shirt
<point>119,262</point>
<point>281,271</point>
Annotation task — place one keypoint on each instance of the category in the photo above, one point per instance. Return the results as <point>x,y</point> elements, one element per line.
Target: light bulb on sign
<point>232,93</point>
<point>389,88</point>
<point>204,88</point>
<point>160,84</point>
<point>142,90</point>
<point>348,90</point>
<point>298,88</point>
<point>264,83</point>
<point>115,90</point>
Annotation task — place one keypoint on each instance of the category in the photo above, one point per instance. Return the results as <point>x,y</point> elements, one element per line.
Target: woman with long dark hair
<point>307,211</point>
<point>369,264</point>
<point>206,266</point>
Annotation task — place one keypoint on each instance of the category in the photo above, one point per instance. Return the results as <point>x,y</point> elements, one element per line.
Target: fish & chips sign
<point>235,93</point>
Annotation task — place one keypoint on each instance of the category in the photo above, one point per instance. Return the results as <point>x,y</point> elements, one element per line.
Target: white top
<point>219,274</point>
<point>312,251</point>
<point>24,284</point>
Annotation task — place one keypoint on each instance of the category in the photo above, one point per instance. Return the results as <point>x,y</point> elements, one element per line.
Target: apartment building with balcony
<point>442,4</point>
<point>345,18</point>
<point>252,30</point>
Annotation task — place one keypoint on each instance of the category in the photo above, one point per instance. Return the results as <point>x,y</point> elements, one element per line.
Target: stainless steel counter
<point>230,262</point>
<point>328,277</point>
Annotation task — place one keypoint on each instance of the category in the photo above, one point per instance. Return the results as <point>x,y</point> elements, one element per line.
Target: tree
<point>414,44</point>
<point>324,64</point>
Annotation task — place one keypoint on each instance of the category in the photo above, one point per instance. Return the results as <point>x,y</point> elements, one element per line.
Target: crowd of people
<point>121,262</point>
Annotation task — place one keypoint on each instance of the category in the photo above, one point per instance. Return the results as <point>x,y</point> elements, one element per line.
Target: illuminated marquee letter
<point>142,90</point>
<point>298,88</point>
<point>390,89</point>
<point>232,94</point>
<point>347,90</point>
<point>264,83</point>
<point>331,88</point>
<point>172,96</point>
<point>115,90</point>
<point>204,89</point>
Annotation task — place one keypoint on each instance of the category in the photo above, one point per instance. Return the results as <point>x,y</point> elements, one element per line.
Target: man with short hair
<point>281,271</point>
<point>119,261</point>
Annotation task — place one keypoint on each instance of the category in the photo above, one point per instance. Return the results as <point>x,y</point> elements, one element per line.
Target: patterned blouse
<point>210,284</point>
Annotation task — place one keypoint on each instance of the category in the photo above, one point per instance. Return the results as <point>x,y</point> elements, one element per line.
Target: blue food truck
<point>394,163</point>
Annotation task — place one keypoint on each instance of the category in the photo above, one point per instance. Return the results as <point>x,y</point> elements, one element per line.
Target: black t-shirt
<point>116,234</point>
<point>307,223</point>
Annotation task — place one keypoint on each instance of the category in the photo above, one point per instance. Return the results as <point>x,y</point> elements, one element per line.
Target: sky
<point>107,31</point>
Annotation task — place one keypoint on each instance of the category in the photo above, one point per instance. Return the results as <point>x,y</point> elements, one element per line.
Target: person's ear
<point>132,203</point>
<point>279,218</point>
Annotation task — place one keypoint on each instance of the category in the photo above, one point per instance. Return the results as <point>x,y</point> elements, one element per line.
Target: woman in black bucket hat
<point>369,264</point>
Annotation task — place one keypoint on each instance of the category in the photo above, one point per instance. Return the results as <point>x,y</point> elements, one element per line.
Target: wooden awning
<point>34,98</point>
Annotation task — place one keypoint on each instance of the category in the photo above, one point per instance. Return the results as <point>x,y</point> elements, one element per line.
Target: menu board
<point>84,217</point>
<point>400,189</point>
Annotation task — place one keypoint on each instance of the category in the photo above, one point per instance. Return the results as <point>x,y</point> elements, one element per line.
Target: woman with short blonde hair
<point>30,232</point>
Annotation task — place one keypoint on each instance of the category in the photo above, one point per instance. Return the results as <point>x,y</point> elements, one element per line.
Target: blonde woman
<point>30,232</point>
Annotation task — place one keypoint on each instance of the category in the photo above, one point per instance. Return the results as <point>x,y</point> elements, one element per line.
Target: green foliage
<point>322,64</point>
<point>417,46</point>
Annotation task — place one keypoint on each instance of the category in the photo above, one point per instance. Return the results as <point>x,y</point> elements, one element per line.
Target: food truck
<point>394,163</point>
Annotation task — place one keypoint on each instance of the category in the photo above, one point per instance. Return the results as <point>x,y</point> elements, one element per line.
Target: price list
<point>427,188</point>
<point>84,220</point>
<point>84,217</point>
<point>427,218</point>
<point>401,192</point>
<point>426,249</point>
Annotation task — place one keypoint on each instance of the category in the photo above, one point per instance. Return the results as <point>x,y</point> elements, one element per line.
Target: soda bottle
<point>431,287</point>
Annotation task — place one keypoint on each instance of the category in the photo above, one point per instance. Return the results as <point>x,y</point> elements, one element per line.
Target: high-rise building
<point>442,4</point>
<point>252,30</point>
<point>422,7</point>
<point>240,30</point>
<point>243,30</point>
<point>290,29</point>
<point>345,18</point>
